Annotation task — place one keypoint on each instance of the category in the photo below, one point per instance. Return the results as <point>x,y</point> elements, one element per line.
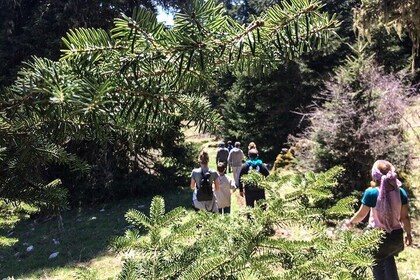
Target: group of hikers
<point>212,189</point>
<point>385,201</point>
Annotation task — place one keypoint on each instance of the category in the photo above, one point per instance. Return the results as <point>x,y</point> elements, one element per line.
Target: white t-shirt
<point>223,195</point>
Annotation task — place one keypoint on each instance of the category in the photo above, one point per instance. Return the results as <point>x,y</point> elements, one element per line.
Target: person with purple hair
<point>387,203</point>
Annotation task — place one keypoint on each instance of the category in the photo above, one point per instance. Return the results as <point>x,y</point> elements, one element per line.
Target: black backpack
<point>205,190</point>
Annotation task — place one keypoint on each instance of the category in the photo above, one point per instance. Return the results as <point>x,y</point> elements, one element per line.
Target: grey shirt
<point>196,175</point>
<point>210,205</point>
<point>236,156</point>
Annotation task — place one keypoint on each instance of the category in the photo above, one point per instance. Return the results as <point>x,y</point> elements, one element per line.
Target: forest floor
<point>83,245</point>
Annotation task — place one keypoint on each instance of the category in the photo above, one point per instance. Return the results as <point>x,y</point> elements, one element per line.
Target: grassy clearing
<point>82,245</point>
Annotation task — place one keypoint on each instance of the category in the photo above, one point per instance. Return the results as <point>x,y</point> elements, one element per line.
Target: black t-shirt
<point>256,164</point>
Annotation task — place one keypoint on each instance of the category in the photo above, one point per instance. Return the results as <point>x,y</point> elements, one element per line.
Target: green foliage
<point>202,245</point>
<point>402,16</point>
<point>260,109</point>
<point>267,109</point>
<point>318,186</point>
<point>10,214</point>
<point>285,159</point>
<point>86,274</point>
<point>360,121</point>
<point>343,208</point>
<point>115,100</point>
<point>393,51</point>
<point>23,188</point>
<point>30,28</point>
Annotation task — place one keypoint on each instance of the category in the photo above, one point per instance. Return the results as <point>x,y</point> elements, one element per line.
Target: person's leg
<point>249,198</point>
<point>194,207</point>
<point>391,245</point>
<point>226,210</point>
<point>252,196</point>
<point>391,268</point>
<point>260,194</point>
<point>379,270</point>
<point>236,170</point>
<point>220,210</point>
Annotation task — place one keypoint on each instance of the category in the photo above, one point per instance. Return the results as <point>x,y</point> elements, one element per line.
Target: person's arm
<point>241,186</point>
<point>405,220</point>
<point>229,159</point>
<point>359,216</point>
<point>232,185</point>
<point>192,185</point>
<point>264,170</point>
<point>216,184</point>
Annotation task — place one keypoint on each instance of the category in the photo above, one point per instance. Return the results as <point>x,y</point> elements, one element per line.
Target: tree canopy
<point>402,16</point>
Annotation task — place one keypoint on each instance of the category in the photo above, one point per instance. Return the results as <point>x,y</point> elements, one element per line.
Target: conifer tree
<point>137,84</point>
<point>202,245</point>
<point>360,121</point>
<point>402,16</point>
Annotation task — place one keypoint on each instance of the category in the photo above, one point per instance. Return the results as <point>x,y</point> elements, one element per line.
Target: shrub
<point>202,245</point>
<point>359,121</point>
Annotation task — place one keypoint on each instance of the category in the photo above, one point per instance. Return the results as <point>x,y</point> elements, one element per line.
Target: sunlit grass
<point>83,243</point>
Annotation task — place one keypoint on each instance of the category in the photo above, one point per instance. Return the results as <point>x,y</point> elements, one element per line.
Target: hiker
<point>222,154</point>
<point>223,195</point>
<point>388,206</point>
<point>252,145</point>
<point>202,180</point>
<point>229,147</point>
<point>252,193</point>
<point>235,159</point>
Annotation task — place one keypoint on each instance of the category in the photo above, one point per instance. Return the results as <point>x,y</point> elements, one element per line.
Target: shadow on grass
<point>85,236</point>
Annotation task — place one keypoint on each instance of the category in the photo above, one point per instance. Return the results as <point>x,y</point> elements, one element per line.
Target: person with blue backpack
<point>252,192</point>
<point>202,180</point>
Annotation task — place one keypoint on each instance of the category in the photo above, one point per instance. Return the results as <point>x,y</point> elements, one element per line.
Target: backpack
<point>205,190</point>
<point>253,186</point>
